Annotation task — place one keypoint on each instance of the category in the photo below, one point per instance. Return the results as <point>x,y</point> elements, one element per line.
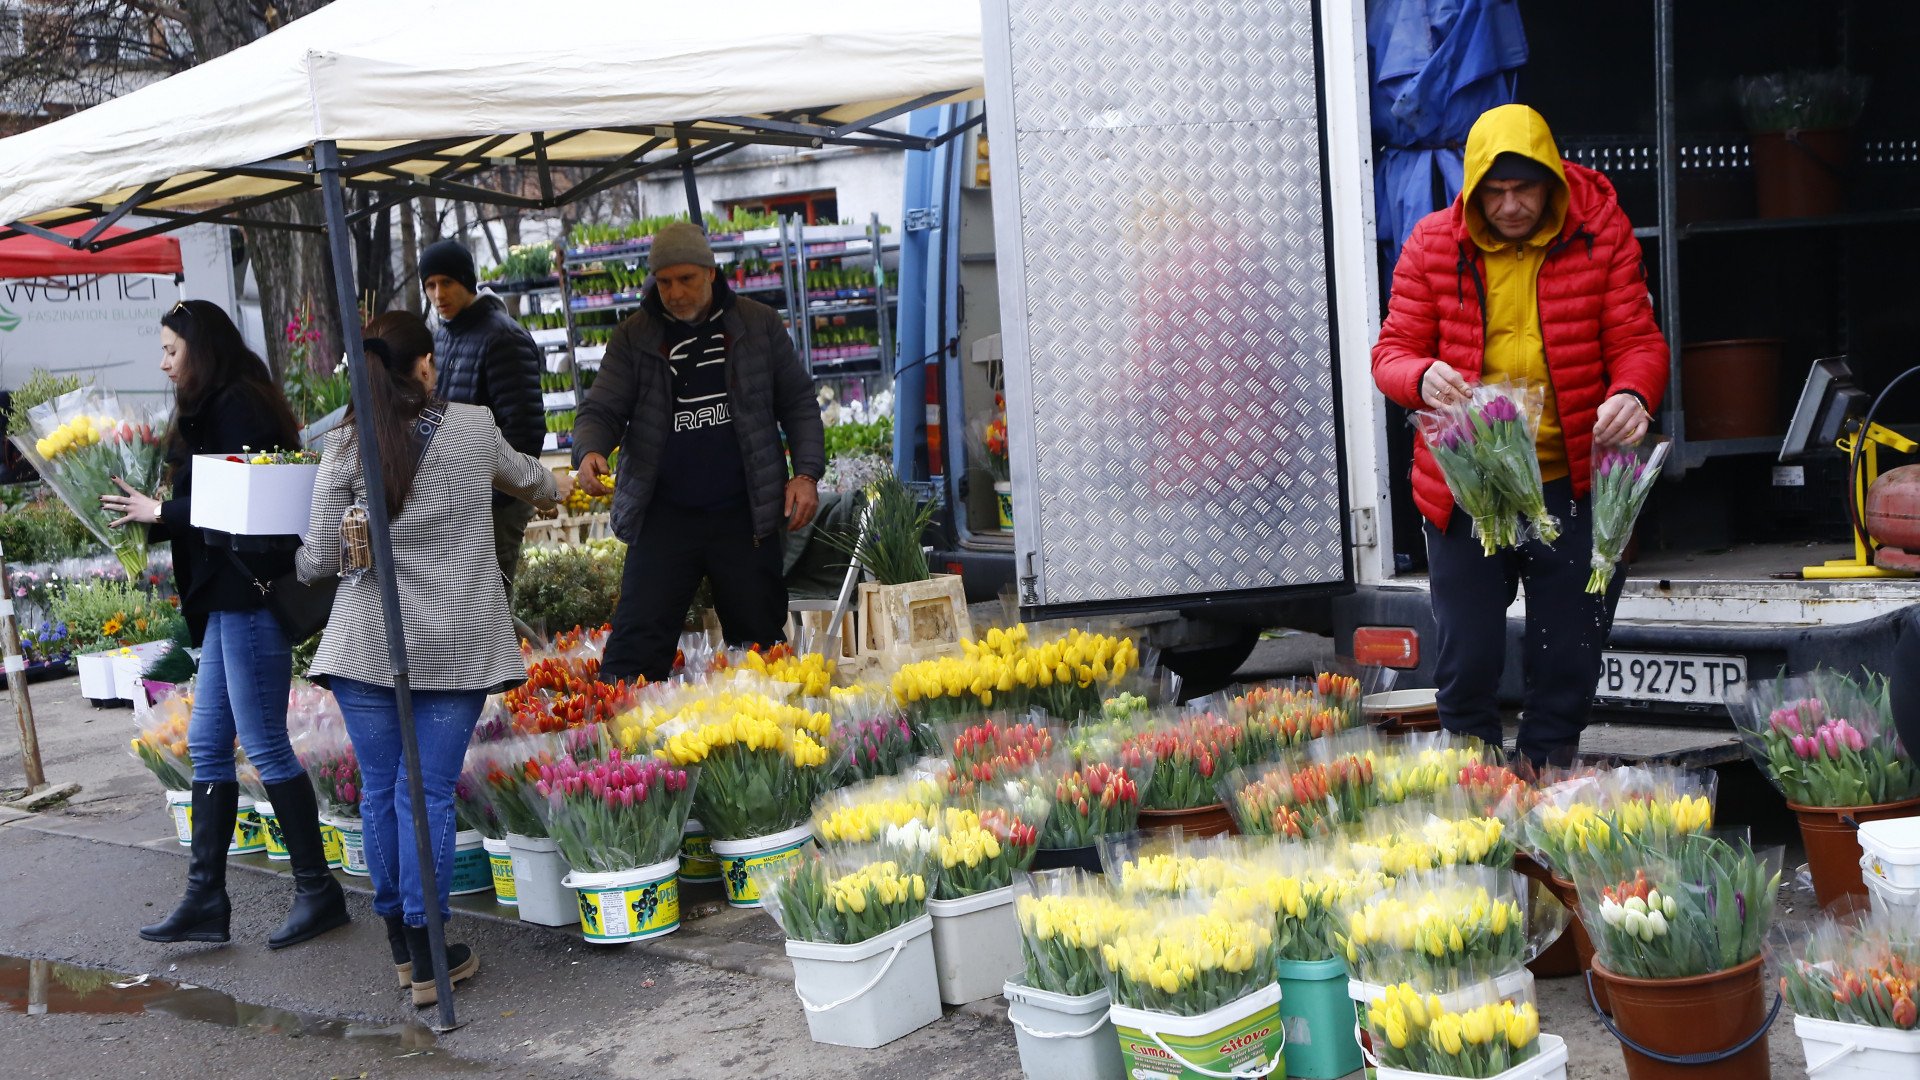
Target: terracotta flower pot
<point>1560,960</point>
<point>1716,1022</point>
<point>1564,892</point>
<point>1833,849</point>
<point>1209,820</point>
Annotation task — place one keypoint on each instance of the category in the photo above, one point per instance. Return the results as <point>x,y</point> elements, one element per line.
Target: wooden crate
<point>915,621</point>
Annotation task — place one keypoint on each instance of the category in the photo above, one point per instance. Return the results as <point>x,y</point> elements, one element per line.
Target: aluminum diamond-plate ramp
<point>1164,293</point>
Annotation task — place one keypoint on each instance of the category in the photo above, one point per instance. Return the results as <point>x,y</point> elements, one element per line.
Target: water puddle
<point>42,988</point>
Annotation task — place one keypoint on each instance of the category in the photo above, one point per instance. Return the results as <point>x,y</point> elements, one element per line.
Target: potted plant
<point>1190,753</point>
<point>1855,990</point>
<point>906,606</point>
<point>1824,743</point>
<point>1059,1002</point>
<point>1470,1031</point>
<point>1194,995</point>
<point>982,844</point>
<point>1801,122</point>
<point>619,824</point>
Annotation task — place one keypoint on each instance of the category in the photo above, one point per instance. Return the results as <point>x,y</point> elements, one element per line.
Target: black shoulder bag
<point>303,608</point>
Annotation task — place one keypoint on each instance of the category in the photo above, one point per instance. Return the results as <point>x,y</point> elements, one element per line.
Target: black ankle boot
<point>462,962</point>
<point>397,945</point>
<point>319,904</point>
<point>204,912</point>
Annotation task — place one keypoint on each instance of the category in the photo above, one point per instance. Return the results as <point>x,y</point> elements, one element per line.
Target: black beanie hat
<point>449,257</point>
<point>1511,166</point>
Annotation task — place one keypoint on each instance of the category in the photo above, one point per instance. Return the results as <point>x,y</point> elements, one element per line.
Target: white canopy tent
<point>407,97</point>
<point>415,93</point>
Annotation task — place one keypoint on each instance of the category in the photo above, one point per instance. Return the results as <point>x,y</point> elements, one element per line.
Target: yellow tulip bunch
<point>812,673</point>
<point>1066,677</point>
<point>865,813</point>
<point>1427,770</point>
<point>1174,873</point>
<point>844,899</point>
<point>1420,1033</point>
<point>1300,899</point>
<point>1437,926</point>
<point>981,847</point>
<point>1063,927</point>
<point>762,761</point>
<point>1438,842</point>
<point>1187,964</point>
<point>80,431</point>
<point>162,745</point>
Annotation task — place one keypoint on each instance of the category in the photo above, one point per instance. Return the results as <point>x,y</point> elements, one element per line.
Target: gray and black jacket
<point>769,393</point>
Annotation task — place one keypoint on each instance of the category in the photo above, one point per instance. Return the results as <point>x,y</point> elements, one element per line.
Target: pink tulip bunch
<point>614,814</point>
<point>1819,757</point>
<point>876,746</point>
<point>336,778</point>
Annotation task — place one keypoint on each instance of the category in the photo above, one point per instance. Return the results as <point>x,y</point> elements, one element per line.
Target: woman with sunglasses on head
<point>441,464</point>
<point>225,400</point>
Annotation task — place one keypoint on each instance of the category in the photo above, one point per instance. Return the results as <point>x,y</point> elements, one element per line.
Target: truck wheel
<point>1202,671</point>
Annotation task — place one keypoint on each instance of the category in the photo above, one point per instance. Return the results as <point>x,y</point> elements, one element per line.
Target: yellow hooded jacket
<point>1515,348</point>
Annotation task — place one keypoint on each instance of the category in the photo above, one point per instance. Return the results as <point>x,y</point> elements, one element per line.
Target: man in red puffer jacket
<point>1532,273</point>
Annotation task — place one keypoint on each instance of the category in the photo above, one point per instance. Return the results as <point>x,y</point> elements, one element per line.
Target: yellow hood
<point>1520,130</point>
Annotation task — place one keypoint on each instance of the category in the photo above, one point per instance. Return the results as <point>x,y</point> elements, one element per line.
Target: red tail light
<point>1388,646</point>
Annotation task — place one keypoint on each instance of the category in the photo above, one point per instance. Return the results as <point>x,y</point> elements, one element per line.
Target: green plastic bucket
<point>1319,1019</point>
<point>1241,1040</point>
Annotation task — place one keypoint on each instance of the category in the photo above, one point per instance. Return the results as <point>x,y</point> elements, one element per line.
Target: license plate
<point>1671,677</point>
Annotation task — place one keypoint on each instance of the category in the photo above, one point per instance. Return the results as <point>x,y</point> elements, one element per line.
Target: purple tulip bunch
<point>1486,453</point>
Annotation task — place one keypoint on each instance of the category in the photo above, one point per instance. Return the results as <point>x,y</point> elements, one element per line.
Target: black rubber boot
<point>319,904</point>
<point>204,912</point>
<point>397,945</point>
<point>462,962</point>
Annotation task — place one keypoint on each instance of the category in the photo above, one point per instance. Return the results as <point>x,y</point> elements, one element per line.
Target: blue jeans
<point>443,723</point>
<point>246,670</point>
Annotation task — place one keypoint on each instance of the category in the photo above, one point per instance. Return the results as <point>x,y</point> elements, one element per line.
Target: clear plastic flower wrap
<point>611,815</point>
<point>1858,971</point>
<point>1823,740</point>
<point>1169,864</point>
<point>1191,750</point>
<point>507,771</point>
<point>762,760</point>
<point>1184,960</point>
<point>989,837</point>
<point>1463,1029</point>
<point>895,810</point>
<point>1485,450</point>
<point>1096,792</point>
<point>1300,889</point>
<point>1065,917</point>
<point>1601,810</point>
<point>1430,926</point>
<point>1623,477</point>
<point>1281,715</point>
<point>1284,798</point>
<point>1434,831</point>
<point>871,734</point>
<point>80,442</point>
<point>1423,762</point>
<point>846,896</point>
<point>1676,907</point>
<point>160,744</point>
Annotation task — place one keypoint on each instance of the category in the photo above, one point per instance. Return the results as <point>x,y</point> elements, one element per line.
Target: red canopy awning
<point>32,257</point>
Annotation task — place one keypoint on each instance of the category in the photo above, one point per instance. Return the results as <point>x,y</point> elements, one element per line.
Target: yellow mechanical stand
<point>1868,441</point>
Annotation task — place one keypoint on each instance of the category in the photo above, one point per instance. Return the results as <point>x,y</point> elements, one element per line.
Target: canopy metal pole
<point>693,188</point>
<point>326,158</point>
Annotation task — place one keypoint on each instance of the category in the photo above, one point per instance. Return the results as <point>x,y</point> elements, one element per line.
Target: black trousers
<point>675,549</point>
<point>1566,629</point>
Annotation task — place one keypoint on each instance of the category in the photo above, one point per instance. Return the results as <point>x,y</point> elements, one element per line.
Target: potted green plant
<point>906,606</point>
<point>1802,127</point>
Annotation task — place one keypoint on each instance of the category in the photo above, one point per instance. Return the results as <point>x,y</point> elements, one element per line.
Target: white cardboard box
<point>251,500</point>
<point>114,674</point>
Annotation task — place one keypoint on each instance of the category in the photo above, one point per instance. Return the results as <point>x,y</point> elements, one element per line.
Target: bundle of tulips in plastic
<point>809,674</point>
<point>563,688</point>
<point>988,838</point>
<point>1351,761</point>
<point>1471,1030</point>
<point>1168,865</point>
<point>1284,715</point>
<point>871,735</point>
<point>1430,927</point>
<point>161,744</point>
<point>1864,971</point>
<point>1096,792</point>
<point>1180,961</point>
<point>1301,889</point>
<point>1434,831</point>
<point>845,896</point>
<point>1823,741</point>
<point>900,811</point>
<point>1065,917</point>
<point>1485,450</point>
<point>1068,677</point>
<point>327,755</point>
<point>1286,798</point>
<point>1678,906</point>
<point>472,812</point>
<point>506,771</point>
<point>613,814</point>
<point>990,747</point>
<point>1601,810</point>
<point>1423,762</point>
<point>762,760</point>
<point>1191,751</point>
<point>1503,791</point>
<point>1342,692</point>
<point>80,442</point>
<point>1623,477</point>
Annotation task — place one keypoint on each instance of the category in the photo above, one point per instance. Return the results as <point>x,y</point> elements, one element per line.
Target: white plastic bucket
<point>538,871</point>
<point>353,845</point>
<point>180,809</point>
<point>1549,1064</point>
<point>976,945</point>
<point>1891,899</point>
<point>471,874</point>
<point>500,866</point>
<point>1892,851</point>
<point>631,905</point>
<point>1515,985</point>
<point>1242,1040</point>
<point>697,864</point>
<point>249,832</point>
<point>871,993</point>
<point>740,858</point>
<point>270,824</point>
<point>1060,1037</point>
<point>1837,1051</point>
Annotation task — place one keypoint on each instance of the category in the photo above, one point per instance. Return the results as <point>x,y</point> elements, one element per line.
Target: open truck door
<point>1161,221</point>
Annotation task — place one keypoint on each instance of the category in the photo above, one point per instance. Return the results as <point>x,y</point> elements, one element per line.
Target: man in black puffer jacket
<point>720,444</point>
<point>485,357</point>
